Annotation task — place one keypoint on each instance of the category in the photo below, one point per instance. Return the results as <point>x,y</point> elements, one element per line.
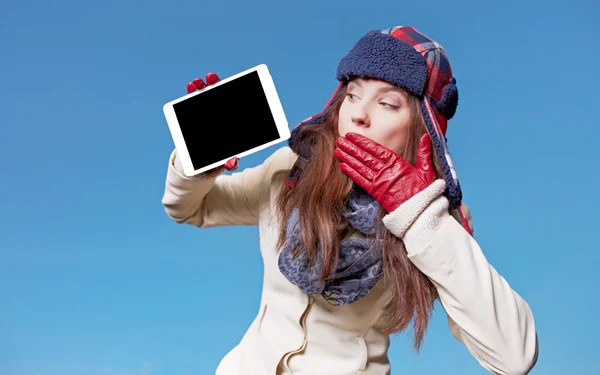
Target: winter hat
<point>412,61</point>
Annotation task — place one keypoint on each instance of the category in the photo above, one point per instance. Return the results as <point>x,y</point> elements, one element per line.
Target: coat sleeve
<point>484,313</point>
<point>225,199</point>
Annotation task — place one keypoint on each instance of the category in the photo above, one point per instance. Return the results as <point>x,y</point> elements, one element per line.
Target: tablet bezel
<point>274,104</point>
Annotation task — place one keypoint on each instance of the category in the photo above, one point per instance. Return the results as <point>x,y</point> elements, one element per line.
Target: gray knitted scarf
<point>360,260</point>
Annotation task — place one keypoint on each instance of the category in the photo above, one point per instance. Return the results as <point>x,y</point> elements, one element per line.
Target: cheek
<point>394,141</point>
<point>342,127</point>
<point>394,136</point>
<point>399,140</point>
<point>344,121</point>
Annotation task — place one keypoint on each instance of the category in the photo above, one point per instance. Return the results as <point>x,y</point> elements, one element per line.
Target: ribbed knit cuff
<point>416,220</point>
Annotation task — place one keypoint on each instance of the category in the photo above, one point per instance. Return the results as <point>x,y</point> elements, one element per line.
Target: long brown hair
<point>319,195</point>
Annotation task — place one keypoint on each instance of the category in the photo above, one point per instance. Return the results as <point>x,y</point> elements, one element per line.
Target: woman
<point>356,226</point>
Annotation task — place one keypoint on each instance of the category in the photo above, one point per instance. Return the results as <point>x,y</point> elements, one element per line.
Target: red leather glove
<point>199,84</point>
<point>381,172</point>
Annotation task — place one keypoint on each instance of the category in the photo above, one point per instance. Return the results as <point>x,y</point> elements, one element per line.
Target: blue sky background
<point>95,279</point>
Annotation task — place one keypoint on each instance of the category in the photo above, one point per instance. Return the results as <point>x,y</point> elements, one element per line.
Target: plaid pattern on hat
<point>439,71</point>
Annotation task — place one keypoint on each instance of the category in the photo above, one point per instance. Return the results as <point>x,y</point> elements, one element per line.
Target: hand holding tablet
<point>221,120</point>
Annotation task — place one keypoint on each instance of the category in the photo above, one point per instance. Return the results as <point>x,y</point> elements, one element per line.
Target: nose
<point>359,114</point>
<point>360,119</point>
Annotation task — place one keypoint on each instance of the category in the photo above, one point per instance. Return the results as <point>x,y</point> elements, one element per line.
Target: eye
<point>351,96</point>
<point>392,106</point>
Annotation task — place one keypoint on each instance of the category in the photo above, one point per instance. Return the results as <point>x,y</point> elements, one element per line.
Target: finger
<point>359,154</point>
<point>356,177</point>
<point>424,161</point>
<point>375,149</point>
<point>191,88</point>
<point>212,78</point>
<point>355,164</point>
<point>232,163</point>
<point>199,83</point>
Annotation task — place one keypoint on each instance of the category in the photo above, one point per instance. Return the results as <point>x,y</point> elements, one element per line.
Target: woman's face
<point>376,110</point>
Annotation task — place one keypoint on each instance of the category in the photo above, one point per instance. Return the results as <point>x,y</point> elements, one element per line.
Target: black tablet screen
<point>226,120</point>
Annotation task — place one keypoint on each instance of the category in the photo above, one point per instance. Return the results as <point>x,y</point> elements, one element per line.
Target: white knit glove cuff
<point>416,219</point>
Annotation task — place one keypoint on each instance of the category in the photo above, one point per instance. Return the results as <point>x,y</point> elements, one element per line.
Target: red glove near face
<point>381,172</point>
<point>198,84</point>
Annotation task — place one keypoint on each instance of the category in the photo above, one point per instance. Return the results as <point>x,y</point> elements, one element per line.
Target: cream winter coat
<point>301,335</point>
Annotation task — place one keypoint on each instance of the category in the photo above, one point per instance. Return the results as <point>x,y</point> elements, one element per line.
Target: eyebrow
<point>391,88</point>
<point>383,89</point>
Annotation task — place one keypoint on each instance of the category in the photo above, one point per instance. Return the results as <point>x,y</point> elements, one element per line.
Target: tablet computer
<point>236,116</point>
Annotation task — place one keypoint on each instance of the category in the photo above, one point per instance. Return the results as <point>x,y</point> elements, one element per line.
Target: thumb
<point>424,161</point>
<point>232,164</point>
